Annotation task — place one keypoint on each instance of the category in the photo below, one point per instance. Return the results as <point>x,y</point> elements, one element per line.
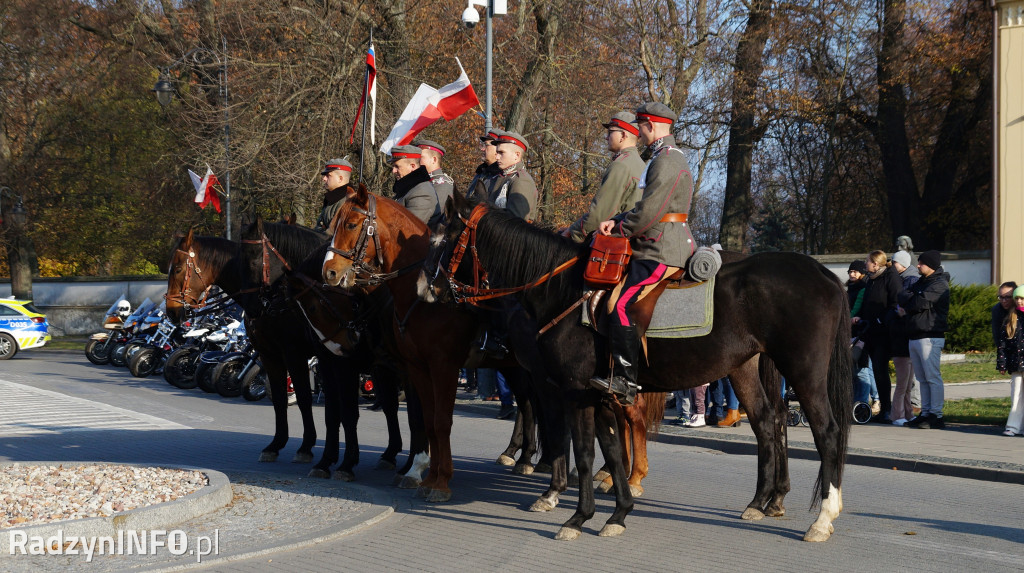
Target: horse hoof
<point>504,460</point>
<point>602,475</point>
<point>611,530</point>
<point>383,464</point>
<point>523,469</point>
<point>604,487</point>
<point>752,514</point>
<point>544,504</point>
<point>818,534</point>
<point>343,475</point>
<point>567,534</point>
<point>542,468</point>
<point>775,511</point>
<point>319,473</point>
<point>439,496</point>
<point>407,482</point>
<point>636,490</point>
<point>422,491</point>
<point>268,456</point>
<point>302,458</point>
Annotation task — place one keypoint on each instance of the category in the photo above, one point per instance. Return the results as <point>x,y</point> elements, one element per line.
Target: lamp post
<point>470,18</point>
<point>17,251</point>
<point>164,90</point>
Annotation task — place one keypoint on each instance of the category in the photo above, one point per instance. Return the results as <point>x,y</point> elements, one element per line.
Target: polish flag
<point>429,105</point>
<point>371,89</point>
<point>205,192</point>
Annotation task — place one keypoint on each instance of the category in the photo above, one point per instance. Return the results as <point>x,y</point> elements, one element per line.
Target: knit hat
<point>1018,292</point>
<point>903,258</point>
<point>931,259</point>
<point>860,266</point>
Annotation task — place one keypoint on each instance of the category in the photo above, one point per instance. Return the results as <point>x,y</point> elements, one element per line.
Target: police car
<point>22,326</point>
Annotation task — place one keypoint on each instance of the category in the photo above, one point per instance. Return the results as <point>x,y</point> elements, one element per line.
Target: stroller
<point>861,410</point>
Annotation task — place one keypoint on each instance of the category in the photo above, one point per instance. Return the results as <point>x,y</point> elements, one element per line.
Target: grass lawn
<point>67,343</point>
<point>977,367</point>
<point>985,411</point>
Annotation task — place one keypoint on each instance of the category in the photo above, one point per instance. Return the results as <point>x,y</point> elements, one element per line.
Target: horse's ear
<point>290,219</point>
<point>460,202</point>
<point>187,240</point>
<point>362,194</point>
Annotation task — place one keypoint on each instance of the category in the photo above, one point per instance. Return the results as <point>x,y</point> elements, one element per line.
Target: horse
<point>784,308</point>
<point>249,274</point>
<point>378,243</point>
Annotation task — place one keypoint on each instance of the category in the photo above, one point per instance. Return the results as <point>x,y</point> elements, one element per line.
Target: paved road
<point>687,520</point>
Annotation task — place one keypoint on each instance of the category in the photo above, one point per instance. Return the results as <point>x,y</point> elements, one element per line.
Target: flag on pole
<point>430,104</point>
<point>371,89</point>
<point>205,192</point>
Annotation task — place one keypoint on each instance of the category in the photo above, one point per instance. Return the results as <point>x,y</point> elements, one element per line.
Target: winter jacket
<point>416,193</point>
<point>855,293</point>
<point>1010,351</point>
<point>879,299</point>
<point>927,306</point>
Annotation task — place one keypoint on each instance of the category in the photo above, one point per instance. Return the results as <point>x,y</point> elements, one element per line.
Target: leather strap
<point>674,218</point>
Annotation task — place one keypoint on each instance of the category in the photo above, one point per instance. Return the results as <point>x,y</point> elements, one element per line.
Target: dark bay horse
<point>252,276</point>
<point>785,306</point>
<point>379,243</point>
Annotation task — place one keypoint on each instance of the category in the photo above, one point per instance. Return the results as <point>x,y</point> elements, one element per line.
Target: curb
<point>215,495</point>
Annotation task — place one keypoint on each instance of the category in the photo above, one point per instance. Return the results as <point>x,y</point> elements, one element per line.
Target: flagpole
<point>366,92</point>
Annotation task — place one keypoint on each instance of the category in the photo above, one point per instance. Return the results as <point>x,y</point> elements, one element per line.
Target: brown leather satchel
<point>607,263</point>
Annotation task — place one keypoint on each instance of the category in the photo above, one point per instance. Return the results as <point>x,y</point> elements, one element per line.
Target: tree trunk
<point>744,133</point>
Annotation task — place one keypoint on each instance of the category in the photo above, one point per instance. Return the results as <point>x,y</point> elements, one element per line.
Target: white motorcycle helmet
<point>124,308</point>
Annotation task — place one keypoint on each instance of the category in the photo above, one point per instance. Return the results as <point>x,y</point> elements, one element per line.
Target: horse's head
<point>434,283</point>
<point>371,236</point>
<point>185,280</point>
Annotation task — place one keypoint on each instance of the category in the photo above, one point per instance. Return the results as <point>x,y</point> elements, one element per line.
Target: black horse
<point>785,306</point>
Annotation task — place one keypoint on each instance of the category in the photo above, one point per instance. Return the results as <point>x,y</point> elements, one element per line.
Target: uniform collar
<point>624,151</point>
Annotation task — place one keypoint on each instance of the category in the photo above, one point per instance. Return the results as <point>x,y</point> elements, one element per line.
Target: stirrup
<point>619,387</point>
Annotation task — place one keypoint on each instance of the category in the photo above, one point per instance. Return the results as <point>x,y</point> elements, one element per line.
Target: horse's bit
<point>357,254</point>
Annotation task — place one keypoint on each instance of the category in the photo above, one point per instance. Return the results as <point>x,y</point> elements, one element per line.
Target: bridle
<point>369,269</point>
<point>480,289</point>
<point>185,293</point>
<point>267,248</point>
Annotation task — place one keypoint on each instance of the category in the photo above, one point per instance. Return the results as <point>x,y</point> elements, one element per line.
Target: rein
<point>357,254</point>
<point>480,289</point>
<point>268,248</point>
<point>186,287</point>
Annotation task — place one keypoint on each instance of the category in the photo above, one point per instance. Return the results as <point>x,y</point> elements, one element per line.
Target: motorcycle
<point>133,327</point>
<point>97,348</point>
<point>150,357</point>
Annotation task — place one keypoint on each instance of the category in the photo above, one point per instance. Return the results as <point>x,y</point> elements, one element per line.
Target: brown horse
<point>783,307</point>
<point>434,339</point>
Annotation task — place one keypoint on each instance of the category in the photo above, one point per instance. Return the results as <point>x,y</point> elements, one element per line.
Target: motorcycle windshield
<point>142,310</point>
<point>113,308</point>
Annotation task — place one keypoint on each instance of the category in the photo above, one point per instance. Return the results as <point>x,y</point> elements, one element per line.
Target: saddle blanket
<point>681,312</point>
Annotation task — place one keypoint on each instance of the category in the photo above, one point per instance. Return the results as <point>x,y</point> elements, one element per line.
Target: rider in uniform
<point>488,171</point>
<point>413,189</point>
<point>618,192</point>
<point>430,158</point>
<point>336,176</point>
<point>514,189</point>
<point>660,238</point>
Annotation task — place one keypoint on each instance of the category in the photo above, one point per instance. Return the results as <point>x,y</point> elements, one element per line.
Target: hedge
<point>970,318</point>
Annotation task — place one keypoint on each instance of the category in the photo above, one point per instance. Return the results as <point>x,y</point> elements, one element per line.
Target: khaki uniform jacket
<point>667,187</point>
<point>516,192</point>
<point>618,193</point>
<point>444,185</point>
<point>416,193</point>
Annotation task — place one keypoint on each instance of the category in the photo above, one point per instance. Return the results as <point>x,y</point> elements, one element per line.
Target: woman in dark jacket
<point>1010,359</point>
<point>879,298</point>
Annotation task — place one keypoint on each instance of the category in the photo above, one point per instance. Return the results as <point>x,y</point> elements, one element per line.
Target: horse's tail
<point>654,412</point>
<point>840,383</point>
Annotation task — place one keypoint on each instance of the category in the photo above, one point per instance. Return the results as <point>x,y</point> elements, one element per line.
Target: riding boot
<point>731,419</point>
<point>625,347</point>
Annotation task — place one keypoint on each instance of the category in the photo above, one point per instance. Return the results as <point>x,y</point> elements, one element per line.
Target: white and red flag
<point>371,89</point>
<point>429,105</point>
<point>205,191</point>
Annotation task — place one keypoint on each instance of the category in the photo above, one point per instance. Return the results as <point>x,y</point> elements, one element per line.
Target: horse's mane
<point>519,253</point>
<point>293,242</point>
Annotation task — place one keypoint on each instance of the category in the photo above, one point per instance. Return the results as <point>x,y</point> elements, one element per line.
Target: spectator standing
<point>865,389</point>
<point>926,307</point>
<point>879,299</point>
<point>1001,310</point>
<point>1010,358</point>
<point>899,345</point>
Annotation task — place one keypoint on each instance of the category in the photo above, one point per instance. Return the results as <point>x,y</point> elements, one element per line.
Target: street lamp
<point>17,251</point>
<point>470,19</point>
<point>164,90</point>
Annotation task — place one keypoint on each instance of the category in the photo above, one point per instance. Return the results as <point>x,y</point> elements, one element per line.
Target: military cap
<point>655,112</point>
<point>492,134</point>
<point>404,152</point>
<point>333,164</point>
<point>513,138</point>
<point>428,144</point>
<point>623,120</point>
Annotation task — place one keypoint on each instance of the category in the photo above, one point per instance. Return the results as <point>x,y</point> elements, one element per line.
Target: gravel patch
<point>36,494</point>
